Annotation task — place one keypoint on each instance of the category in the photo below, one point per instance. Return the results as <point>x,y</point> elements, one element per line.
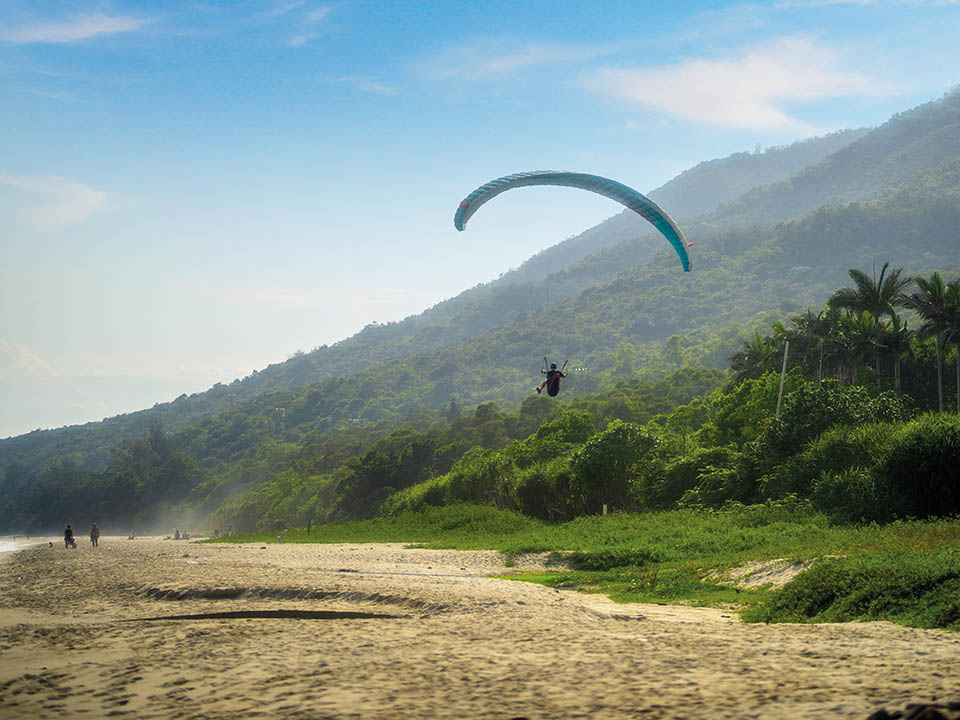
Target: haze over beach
<point>189,193</point>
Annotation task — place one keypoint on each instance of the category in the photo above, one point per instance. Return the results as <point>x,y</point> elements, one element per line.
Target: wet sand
<point>379,631</point>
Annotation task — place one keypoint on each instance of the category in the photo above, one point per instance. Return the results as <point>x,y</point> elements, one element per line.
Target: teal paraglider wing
<point>624,195</point>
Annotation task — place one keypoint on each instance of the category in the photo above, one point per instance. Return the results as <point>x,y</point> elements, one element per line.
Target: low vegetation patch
<point>906,572</point>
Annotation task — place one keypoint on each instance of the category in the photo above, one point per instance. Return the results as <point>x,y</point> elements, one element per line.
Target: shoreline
<point>8,548</point>
<point>152,628</point>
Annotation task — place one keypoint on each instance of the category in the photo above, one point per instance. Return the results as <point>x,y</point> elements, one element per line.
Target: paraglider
<point>552,379</point>
<point>624,195</point>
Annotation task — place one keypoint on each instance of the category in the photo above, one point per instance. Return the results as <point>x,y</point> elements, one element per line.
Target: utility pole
<point>783,375</point>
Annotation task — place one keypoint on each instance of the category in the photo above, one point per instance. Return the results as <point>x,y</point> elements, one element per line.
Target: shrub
<point>609,559</point>
<point>923,467</point>
<point>605,466</point>
<point>913,587</point>
<point>663,487</point>
<point>430,493</point>
<point>836,450</point>
<point>477,477</point>
<point>718,485</point>
<point>543,490</point>
<point>813,409</point>
<point>850,495</point>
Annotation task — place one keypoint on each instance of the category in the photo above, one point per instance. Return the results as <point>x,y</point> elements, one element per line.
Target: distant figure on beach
<point>68,541</point>
<point>94,535</point>
<point>176,534</point>
<point>216,531</point>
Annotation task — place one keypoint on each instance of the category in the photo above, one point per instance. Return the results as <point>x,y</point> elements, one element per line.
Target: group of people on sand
<point>70,542</point>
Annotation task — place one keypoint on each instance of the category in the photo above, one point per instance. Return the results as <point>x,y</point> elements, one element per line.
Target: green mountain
<point>907,145</point>
<point>552,275</point>
<point>618,310</point>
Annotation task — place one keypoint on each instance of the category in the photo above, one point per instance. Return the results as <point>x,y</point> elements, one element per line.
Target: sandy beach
<point>153,628</point>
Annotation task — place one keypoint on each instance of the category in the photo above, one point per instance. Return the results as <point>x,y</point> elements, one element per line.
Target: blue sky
<point>191,191</point>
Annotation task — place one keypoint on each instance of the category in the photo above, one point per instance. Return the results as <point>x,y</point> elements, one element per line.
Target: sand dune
<point>154,628</point>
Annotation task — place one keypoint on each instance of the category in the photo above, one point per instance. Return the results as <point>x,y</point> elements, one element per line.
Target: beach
<point>154,628</point>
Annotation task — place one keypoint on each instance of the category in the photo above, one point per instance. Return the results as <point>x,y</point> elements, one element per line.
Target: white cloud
<point>788,4</point>
<point>299,40</point>
<point>79,28</point>
<point>497,57</point>
<point>364,85</point>
<point>319,15</point>
<point>17,361</point>
<point>69,202</point>
<point>311,17</point>
<point>748,92</point>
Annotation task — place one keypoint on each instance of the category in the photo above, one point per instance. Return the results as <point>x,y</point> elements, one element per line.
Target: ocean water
<point>7,544</point>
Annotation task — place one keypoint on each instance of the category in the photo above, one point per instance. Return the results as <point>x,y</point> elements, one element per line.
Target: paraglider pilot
<point>552,380</point>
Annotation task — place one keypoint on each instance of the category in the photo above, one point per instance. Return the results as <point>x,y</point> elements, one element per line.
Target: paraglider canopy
<point>630,198</point>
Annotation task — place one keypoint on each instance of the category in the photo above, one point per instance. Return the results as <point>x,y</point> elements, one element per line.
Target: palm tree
<point>825,330</point>
<point>932,307</point>
<point>751,360</point>
<point>877,297</point>
<point>858,339</point>
<point>896,337</point>
<point>953,311</point>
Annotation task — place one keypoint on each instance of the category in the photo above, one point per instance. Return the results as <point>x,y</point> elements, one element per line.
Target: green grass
<point>652,584</point>
<point>905,572</point>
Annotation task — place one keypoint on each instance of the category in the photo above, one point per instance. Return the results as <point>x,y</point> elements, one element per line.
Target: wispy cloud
<point>309,19</point>
<point>319,14</point>
<point>78,28</point>
<point>299,40</point>
<point>823,3</point>
<point>67,201</point>
<point>18,361</point>
<point>48,94</point>
<point>753,91</point>
<point>364,85</point>
<point>488,58</point>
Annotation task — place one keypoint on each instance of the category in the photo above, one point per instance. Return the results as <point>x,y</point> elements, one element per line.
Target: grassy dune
<point>905,572</point>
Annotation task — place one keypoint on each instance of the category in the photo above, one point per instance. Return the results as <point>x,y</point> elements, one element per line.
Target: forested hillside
<point>461,377</point>
<point>907,145</point>
<point>477,310</point>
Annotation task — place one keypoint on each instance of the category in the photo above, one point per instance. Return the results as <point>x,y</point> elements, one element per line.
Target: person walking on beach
<point>94,535</point>
<point>68,541</point>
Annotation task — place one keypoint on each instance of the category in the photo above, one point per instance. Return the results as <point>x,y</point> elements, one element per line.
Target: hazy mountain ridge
<point>470,313</point>
<point>611,330</point>
<point>787,270</point>
<point>505,303</point>
<point>708,185</point>
<point>909,143</point>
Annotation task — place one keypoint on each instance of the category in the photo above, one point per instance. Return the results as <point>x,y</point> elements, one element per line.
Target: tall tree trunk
<point>820,368</point>
<point>876,347</point>
<point>940,372</point>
